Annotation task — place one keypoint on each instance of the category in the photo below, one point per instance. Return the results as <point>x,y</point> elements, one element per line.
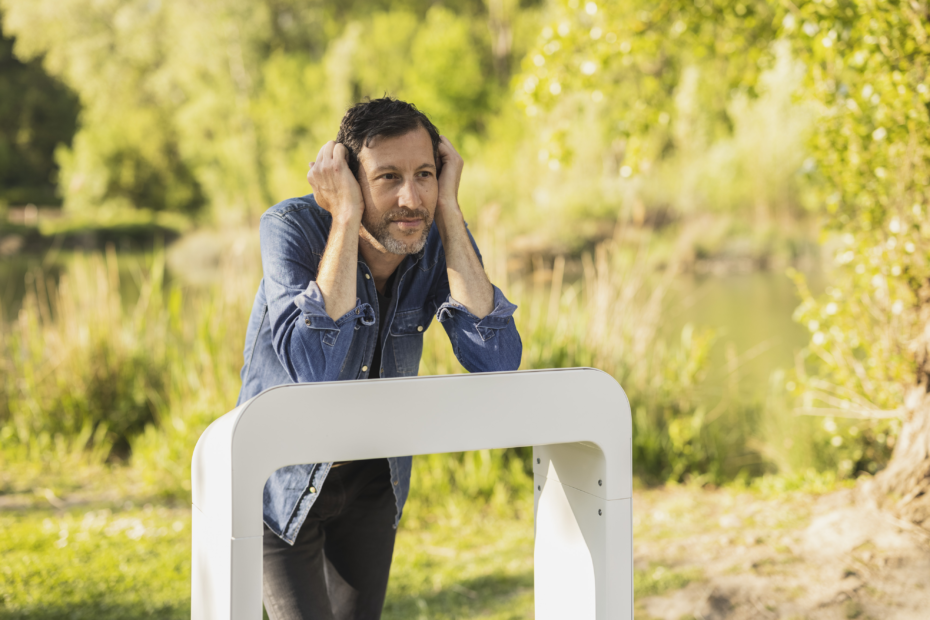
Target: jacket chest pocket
<point>407,340</point>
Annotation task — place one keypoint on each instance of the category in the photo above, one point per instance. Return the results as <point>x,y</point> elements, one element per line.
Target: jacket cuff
<point>311,304</point>
<point>499,318</point>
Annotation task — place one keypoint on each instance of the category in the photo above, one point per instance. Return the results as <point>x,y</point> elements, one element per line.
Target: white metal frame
<point>578,421</point>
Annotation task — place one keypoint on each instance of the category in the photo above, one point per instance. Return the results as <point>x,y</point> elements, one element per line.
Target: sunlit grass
<point>472,565</point>
<point>111,561</point>
<point>122,562</point>
<point>463,552</point>
<point>97,563</point>
<point>657,580</point>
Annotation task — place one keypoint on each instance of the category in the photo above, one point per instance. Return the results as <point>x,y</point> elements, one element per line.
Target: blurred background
<point>680,194</point>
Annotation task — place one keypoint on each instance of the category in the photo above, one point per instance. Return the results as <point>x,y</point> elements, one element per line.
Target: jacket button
<point>307,321</point>
<point>367,277</point>
<point>419,328</point>
<point>356,311</point>
<point>312,490</point>
<point>364,368</point>
<point>396,482</point>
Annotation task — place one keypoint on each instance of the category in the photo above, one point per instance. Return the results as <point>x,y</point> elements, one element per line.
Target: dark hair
<point>387,117</point>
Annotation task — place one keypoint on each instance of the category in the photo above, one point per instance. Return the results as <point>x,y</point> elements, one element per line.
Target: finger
<point>327,151</point>
<point>341,153</point>
<point>445,147</point>
<point>319,156</point>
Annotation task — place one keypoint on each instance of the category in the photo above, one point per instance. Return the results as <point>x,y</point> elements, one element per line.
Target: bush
<point>76,357</point>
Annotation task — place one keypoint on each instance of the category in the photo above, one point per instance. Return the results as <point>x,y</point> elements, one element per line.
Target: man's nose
<point>409,195</point>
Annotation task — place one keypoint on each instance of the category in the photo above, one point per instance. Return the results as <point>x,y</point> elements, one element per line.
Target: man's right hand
<point>334,186</point>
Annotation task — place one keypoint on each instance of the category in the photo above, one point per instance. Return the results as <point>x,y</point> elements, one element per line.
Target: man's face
<point>398,180</point>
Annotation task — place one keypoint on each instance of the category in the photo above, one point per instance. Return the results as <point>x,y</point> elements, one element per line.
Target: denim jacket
<point>291,339</point>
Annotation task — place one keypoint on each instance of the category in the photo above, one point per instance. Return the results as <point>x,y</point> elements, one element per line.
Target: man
<point>353,275</point>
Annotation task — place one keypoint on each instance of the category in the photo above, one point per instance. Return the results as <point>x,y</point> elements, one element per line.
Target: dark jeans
<point>338,567</point>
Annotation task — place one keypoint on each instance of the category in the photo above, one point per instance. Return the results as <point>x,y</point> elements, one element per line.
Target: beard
<point>379,229</point>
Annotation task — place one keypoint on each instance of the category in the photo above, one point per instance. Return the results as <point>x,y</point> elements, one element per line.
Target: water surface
<point>752,317</point>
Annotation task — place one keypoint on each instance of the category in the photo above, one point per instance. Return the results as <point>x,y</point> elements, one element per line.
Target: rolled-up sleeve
<point>488,344</point>
<point>483,345</point>
<point>308,342</point>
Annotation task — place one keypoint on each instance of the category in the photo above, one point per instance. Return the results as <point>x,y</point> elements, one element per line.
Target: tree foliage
<point>869,71</point>
<point>37,113</point>
<point>634,58</point>
<point>222,103</point>
<point>866,72</point>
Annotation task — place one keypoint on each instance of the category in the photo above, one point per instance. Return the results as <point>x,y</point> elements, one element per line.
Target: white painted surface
<point>577,419</point>
<point>564,581</point>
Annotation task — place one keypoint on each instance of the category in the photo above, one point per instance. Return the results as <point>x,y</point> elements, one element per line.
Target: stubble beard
<point>380,230</point>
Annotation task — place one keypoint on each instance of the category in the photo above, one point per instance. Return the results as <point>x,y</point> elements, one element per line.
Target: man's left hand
<point>449,178</point>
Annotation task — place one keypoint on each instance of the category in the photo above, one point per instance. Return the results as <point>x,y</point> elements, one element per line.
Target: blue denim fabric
<point>291,339</point>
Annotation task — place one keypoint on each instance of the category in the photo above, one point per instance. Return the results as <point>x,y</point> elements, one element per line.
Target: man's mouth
<point>408,224</point>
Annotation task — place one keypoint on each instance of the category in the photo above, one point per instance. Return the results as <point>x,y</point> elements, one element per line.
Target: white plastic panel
<point>584,466</point>
<point>247,599</point>
<point>211,569</point>
<point>564,584</point>
<point>619,564</point>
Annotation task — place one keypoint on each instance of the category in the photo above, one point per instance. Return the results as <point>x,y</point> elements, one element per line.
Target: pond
<point>751,315</point>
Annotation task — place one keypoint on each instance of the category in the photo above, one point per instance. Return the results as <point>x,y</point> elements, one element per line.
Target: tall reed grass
<point>93,378</point>
<point>97,370</point>
<point>81,370</point>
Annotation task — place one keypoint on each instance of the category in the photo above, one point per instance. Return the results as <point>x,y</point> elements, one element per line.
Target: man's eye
<point>389,176</point>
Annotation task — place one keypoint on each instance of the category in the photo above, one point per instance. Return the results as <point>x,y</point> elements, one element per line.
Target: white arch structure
<point>578,421</point>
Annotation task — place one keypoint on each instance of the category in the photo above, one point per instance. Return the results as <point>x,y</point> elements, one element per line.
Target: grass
<point>100,562</point>
<point>657,580</point>
<point>474,566</point>
<point>459,557</point>
<point>120,562</point>
<point>124,561</point>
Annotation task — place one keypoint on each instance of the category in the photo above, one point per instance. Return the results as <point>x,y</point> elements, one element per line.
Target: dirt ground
<point>725,555</point>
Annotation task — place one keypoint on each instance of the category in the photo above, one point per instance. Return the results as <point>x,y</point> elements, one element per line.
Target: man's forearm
<point>468,283</point>
<point>336,277</point>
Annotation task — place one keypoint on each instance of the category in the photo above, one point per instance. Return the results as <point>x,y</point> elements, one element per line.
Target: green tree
<point>632,59</point>
<point>627,96</point>
<point>223,103</point>
<point>126,151</point>
<point>868,68</point>
<point>37,113</point>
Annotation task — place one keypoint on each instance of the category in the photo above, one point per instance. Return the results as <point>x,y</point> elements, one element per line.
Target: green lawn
<point>100,562</point>
<point>125,562</point>
<point>121,562</point>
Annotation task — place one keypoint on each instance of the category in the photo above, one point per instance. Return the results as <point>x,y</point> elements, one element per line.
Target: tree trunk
<point>903,488</point>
